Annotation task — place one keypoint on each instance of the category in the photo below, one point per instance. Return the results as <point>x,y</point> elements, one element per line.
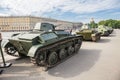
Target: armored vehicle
<point>110,29</point>
<point>103,30</point>
<point>89,34</point>
<point>44,45</point>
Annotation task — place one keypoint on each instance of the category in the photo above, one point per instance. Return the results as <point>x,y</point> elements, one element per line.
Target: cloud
<point>4,14</point>
<point>89,6</point>
<point>40,7</point>
<point>27,7</point>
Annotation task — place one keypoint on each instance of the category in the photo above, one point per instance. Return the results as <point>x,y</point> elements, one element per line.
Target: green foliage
<point>101,23</point>
<point>93,24</point>
<point>110,23</point>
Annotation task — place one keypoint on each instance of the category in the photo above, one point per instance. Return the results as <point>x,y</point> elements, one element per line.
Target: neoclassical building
<point>24,23</point>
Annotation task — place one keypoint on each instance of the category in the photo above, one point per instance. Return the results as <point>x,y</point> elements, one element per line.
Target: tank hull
<point>45,48</point>
<point>89,35</point>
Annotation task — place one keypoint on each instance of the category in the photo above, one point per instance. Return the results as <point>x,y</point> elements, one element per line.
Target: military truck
<point>103,30</point>
<point>88,33</point>
<point>44,45</point>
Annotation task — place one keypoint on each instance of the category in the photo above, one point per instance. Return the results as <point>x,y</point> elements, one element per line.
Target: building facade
<point>25,23</point>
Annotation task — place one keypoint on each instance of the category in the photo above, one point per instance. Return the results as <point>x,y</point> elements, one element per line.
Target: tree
<point>101,22</point>
<point>110,23</point>
<point>93,24</point>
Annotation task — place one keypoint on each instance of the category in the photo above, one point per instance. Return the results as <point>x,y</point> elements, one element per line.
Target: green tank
<point>44,45</point>
<point>110,29</point>
<point>103,30</point>
<point>89,34</point>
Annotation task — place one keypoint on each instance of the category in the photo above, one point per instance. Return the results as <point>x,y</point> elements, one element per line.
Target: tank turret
<point>43,27</point>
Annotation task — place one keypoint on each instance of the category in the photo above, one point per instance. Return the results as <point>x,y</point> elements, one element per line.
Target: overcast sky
<point>70,10</point>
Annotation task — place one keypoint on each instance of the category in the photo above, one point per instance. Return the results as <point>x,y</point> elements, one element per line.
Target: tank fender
<point>33,50</point>
<point>5,44</point>
<point>93,35</point>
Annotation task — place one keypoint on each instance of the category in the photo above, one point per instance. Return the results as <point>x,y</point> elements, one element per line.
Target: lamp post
<point>4,64</point>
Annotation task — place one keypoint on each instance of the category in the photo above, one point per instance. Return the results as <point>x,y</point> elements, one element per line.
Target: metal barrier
<point>4,64</point>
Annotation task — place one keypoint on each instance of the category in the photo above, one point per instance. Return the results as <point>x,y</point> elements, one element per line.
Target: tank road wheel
<point>99,37</point>
<point>94,38</point>
<point>62,54</point>
<point>40,58</point>
<point>70,50</point>
<point>79,42</point>
<point>52,58</point>
<point>77,47</point>
<point>10,50</point>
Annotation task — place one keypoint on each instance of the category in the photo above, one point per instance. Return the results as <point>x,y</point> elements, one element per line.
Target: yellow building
<point>20,23</point>
<point>24,23</point>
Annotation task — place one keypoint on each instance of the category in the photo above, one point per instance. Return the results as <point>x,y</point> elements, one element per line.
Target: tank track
<point>54,45</point>
<point>69,40</point>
